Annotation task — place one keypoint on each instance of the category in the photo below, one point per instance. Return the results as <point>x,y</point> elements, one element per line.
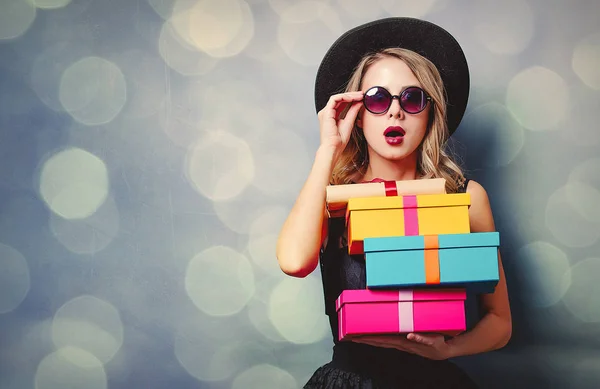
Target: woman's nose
<point>395,109</point>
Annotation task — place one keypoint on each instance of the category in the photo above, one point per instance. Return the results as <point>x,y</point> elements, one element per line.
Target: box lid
<point>443,241</point>
<point>368,295</point>
<point>410,201</point>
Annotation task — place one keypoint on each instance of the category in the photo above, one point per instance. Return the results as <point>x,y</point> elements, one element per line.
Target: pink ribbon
<point>405,311</point>
<point>411,218</point>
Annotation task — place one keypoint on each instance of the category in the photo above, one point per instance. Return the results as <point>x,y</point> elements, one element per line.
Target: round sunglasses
<point>412,100</point>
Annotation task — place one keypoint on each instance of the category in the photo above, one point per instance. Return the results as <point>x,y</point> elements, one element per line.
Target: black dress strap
<point>472,309</point>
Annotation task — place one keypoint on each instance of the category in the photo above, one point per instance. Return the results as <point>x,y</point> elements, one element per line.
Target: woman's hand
<point>336,130</point>
<point>432,346</point>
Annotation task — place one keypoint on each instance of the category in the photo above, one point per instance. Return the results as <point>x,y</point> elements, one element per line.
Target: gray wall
<point>151,150</point>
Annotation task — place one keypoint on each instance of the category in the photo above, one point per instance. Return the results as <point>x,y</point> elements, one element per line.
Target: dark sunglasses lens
<point>413,100</point>
<point>377,100</point>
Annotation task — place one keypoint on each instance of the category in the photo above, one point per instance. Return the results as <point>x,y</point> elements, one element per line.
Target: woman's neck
<point>404,169</point>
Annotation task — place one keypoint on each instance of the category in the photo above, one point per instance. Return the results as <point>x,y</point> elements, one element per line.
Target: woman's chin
<point>397,154</point>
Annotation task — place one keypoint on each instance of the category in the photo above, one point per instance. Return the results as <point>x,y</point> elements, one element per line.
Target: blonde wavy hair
<point>433,161</point>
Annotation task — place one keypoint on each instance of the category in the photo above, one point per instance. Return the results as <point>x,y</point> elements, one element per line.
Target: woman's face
<point>395,134</point>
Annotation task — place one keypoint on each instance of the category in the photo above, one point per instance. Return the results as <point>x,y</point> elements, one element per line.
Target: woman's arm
<point>302,234</point>
<point>305,228</point>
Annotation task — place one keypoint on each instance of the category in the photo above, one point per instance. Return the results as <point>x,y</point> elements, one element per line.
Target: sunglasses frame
<point>399,97</point>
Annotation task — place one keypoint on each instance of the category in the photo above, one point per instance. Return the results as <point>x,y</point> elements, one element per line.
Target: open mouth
<point>394,135</point>
<point>394,132</point>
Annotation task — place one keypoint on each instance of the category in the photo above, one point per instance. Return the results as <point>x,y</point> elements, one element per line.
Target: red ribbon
<point>390,188</point>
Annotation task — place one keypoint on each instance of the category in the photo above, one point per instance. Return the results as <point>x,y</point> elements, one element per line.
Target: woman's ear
<point>359,120</point>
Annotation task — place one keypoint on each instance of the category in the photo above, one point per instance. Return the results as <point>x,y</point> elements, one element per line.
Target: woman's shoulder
<point>480,212</point>
<point>475,189</point>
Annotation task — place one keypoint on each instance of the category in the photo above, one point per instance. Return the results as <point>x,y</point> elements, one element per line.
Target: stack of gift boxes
<point>420,257</point>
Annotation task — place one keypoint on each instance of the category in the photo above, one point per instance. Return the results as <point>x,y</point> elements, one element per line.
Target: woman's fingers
<point>336,102</point>
<point>346,125</point>
<point>337,117</point>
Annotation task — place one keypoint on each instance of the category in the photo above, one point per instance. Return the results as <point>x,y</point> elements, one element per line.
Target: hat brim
<point>422,37</point>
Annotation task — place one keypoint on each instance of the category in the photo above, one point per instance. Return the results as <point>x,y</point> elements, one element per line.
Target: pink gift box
<point>365,311</point>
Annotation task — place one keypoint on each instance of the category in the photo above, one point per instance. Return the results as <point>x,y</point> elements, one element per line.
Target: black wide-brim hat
<point>420,36</point>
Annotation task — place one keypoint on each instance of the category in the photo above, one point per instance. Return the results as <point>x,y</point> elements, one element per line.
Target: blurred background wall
<point>151,149</point>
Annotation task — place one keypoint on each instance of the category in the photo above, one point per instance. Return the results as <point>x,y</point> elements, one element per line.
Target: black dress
<point>362,366</point>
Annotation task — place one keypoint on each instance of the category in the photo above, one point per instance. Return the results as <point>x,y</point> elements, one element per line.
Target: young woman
<point>406,85</point>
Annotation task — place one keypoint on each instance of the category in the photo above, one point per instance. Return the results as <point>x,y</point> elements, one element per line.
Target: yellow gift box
<point>378,217</point>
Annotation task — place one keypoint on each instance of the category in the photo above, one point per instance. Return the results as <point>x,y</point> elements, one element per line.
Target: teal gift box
<point>461,260</point>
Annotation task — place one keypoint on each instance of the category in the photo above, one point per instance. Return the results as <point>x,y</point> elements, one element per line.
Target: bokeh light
<point>262,242</point>
<point>16,18</point>
<point>220,165</point>
<point>491,127</point>
<point>89,235</point>
<point>213,349</point>
<point>587,173</point>
<point>93,91</point>
<point>264,376</point>
<point>239,213</point>
<point>14,278</point>
<point>586,61</point>
<point>408,8</point>
<point>566,223</point>
<point>70,368</point>
<point>545,273</point>
<point>538,98</point>
<point>48,67</point>
<point>585,199</point>
<point>181,56</point>
<point>282,6</point>
<point>236,106</point>
<point>147,82</point>
<point>504,28</point>
<point>208,24</point>
<point>586,373</point>
<point>363,10</point>
<point>259,306</point>
<point>582,297</point>
<point>258,313</point>
<point>164,8</point>
<point>296,309</point>
<point>220,281</point>
<point>91,324</point>
<point>74,183</point>
<point>212,29</point>
<point>306,31</point>
<point>262,47</point>
<point>180,119</point>
<point>51,4</point>
<point>21,354</point>
<point>224,360</point>
<point>580,130</point>
<point>282,163</point>
<point>218,28</point>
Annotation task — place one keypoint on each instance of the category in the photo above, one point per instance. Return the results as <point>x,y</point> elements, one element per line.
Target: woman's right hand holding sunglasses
<point>337,119</point>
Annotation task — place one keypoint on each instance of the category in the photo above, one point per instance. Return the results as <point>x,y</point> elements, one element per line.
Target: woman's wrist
<point>452,351</point>
<point>325,158</point>
<point>327,152</point>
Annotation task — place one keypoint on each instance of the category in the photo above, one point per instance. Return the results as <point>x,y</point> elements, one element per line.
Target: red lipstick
<point>394,135</point>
